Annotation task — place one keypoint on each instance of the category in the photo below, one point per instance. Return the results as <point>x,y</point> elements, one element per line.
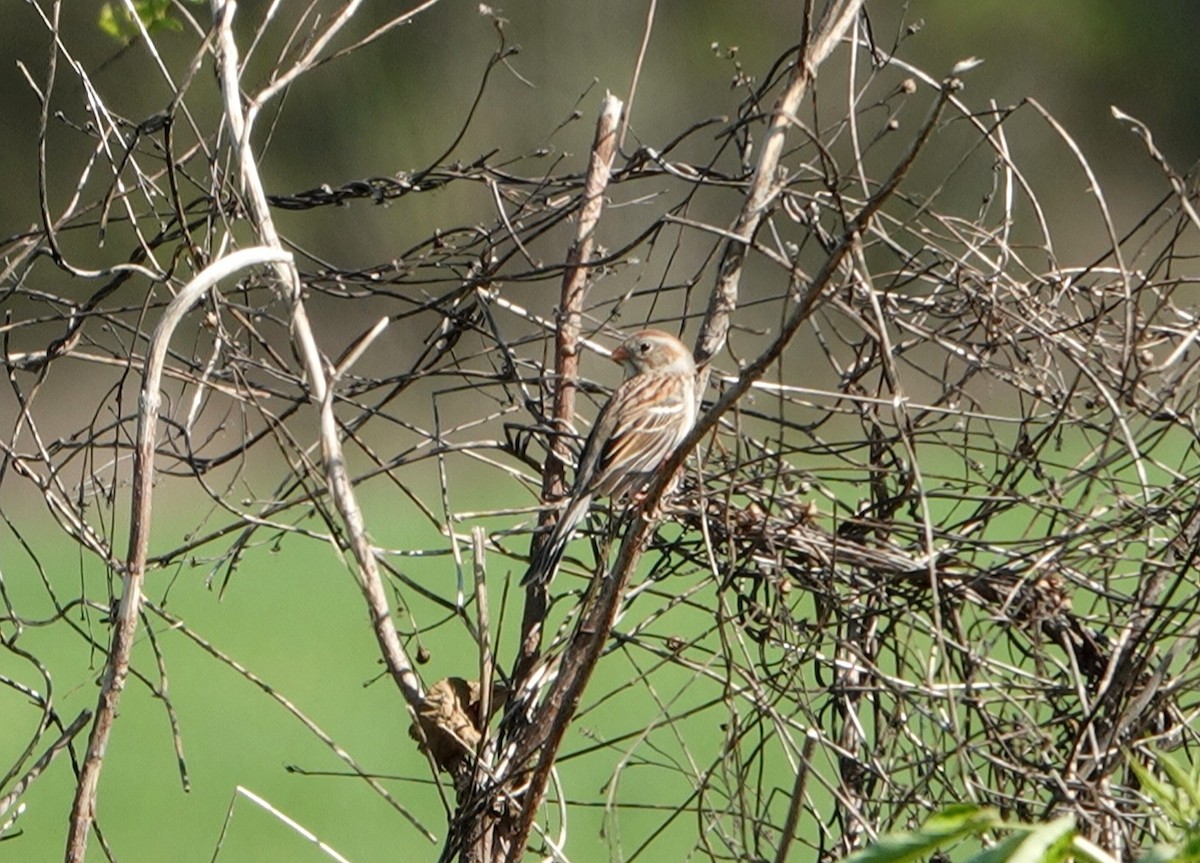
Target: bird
<point>642,423</point>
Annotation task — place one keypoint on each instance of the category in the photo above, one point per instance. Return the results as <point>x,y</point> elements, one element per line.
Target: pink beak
<point>620,355</point>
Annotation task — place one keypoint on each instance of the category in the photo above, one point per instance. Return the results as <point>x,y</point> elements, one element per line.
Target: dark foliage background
<point>943,549</point>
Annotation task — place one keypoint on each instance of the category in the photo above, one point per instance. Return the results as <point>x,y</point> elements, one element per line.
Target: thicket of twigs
<point>935,539</point>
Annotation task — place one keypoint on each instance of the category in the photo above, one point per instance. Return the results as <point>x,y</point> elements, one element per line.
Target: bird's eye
<point>644,347</point>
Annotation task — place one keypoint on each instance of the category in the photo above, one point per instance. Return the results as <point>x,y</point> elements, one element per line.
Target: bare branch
<point>765,185</point>
<point>116,667</point>
<point>566,356</point>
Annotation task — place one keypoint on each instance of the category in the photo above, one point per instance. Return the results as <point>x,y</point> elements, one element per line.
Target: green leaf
<point>1001,851</point>
<point>1163,795</point>
<point>1085,851</point>
<point>954,822</point>
<point>154,15</point>
<point>1160,854</point>
<point>1184,782</point>
<point>1188,852</point>
<point>108,23</point>
<point>1048,843</point>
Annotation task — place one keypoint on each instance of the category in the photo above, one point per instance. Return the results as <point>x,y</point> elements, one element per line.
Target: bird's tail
<point>549,554</point>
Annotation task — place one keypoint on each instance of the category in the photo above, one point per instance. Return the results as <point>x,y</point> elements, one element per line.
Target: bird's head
<point>654,351</point>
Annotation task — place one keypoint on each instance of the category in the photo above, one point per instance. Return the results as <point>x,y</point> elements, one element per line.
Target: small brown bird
<point>648,415</point>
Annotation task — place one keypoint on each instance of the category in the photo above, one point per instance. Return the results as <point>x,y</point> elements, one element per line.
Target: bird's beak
<point>620,355</point>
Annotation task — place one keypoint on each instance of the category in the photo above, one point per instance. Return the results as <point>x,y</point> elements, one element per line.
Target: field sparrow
<point>649,415</point>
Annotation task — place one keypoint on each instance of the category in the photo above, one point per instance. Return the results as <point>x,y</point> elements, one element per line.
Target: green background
<point>293,615</point>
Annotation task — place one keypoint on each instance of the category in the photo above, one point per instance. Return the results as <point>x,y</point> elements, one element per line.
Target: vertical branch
<point>858,645</point>
<point>566,352</point>
<point>574,288</point>
<point>116,667</point>
<point>788,834</point>
<point>763,187</point>
<point>542,737</point>
<point>511,830</point>
<point>337,480</point>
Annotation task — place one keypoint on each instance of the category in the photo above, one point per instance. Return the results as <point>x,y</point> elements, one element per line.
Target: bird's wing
<point>649,416</point>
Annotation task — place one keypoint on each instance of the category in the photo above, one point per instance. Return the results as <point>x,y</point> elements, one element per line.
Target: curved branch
<point>116,668</point>
<point>320,382</point>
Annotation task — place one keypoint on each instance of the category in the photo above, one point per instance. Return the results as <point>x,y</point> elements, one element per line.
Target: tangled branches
<point>936,534</point>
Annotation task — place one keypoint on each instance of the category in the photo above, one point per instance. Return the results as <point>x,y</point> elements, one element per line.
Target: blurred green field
<point>295,618</point>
